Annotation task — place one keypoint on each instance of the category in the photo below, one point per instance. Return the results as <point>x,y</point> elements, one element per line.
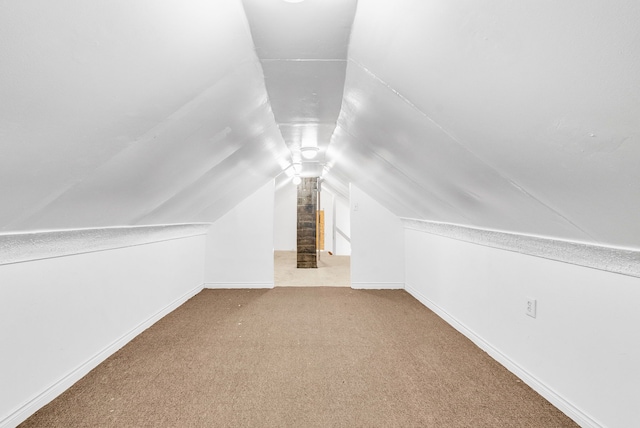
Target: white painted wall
<point>240,244</point>
<point>377,245</point>
<point>582,350</point>
<point>60,317</point>
<point>285,218</point>
<point>327,201</point>
<point>342,223</point>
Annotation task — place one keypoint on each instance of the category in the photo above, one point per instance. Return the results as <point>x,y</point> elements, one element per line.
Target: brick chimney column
<point>307,205</point>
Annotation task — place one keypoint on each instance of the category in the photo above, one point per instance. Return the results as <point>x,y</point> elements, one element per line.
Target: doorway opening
<point>333,253</point>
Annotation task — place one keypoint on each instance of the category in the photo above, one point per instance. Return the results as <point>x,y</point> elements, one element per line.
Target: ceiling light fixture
<point>296,180</point>
<point>309,152</point>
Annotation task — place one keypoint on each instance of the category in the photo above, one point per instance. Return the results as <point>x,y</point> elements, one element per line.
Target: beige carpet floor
<point>300,357</point>
<point>332,271</point>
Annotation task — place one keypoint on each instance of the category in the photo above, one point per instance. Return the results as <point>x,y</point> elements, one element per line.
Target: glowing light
<point>296,180</point>
<point>309,152</point>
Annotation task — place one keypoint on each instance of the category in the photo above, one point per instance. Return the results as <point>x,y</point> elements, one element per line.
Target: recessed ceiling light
<point>309,152</point>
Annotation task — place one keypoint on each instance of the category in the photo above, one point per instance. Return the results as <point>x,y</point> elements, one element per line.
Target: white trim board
<point>625,261</point>
<point>29,246</point>
<point>580,417</point>
<point>237,285</point>
<point>377,285</point>
<point>58,387</point>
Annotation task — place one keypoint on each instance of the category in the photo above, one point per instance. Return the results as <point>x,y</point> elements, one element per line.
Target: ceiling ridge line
<point>457,141</point>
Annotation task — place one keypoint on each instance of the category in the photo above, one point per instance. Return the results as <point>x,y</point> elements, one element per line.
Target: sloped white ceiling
<point>303,49</point>
<point>126,112</point>
<point>517,116</point>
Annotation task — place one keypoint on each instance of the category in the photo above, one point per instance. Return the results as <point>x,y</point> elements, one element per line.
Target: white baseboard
<point>46,396</point>
<point>580,417</point>
<point>237,285</point>
<point>377,285</point>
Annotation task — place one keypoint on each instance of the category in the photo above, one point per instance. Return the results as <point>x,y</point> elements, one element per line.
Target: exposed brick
<point>306,233</point>
<point>307,201</point>
<point>307,249</point>
<point>306,258</point>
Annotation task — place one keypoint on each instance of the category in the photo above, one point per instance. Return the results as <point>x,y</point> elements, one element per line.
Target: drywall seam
<point>580,417</point>
<point>61,385</point>
<point>625,261</point>
<point>237,285</point>
<point>377,285</point>
<point>30,246</point>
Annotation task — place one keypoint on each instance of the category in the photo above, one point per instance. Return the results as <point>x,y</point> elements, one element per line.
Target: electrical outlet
<point>531,307</point>
<point>355,206</point>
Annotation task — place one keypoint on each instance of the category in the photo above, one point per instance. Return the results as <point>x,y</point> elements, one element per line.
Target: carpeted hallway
<point>300,357</point>
<point>332,271</point>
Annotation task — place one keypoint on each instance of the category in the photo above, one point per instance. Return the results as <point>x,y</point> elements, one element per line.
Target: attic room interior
<point>479,161</point>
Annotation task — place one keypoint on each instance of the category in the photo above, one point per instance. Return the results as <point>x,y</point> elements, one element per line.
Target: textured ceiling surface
<point>515,116</point>
<point>120,113</point>
<point>512,116</point>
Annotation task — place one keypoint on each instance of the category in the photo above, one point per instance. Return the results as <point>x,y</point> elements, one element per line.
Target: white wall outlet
<point>531,307</point>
